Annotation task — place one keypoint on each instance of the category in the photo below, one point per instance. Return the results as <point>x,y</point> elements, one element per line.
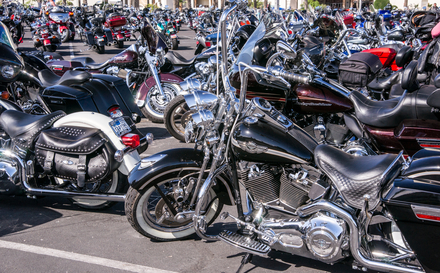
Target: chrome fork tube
<point>155,75</point>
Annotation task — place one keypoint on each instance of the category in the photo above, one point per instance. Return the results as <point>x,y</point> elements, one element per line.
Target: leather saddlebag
<point>359,70</point>
<point>76,154</point>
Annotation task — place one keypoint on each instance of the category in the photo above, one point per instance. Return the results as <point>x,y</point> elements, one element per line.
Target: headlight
<point>189,132</point>
<point>9,71</point>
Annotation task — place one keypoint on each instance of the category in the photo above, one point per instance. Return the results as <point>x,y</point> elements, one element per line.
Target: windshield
<point>5,37</point>
<point>271,26</point>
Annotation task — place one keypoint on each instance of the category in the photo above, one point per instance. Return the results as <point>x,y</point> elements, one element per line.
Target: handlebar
<point>288,76</point>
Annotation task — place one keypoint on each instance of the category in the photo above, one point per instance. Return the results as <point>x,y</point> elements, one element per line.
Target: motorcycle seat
<point>48,78</point>
<point>382,114</point>
<point>24,128</point>
<point>357,176</point>
<point>387,82</point>
<point>90,63</point>
<point>177,59</point>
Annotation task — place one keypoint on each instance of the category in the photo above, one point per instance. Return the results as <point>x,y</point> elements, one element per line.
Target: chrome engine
<point>113,70</point>
<point>322,236</point>
<point>286,188</point>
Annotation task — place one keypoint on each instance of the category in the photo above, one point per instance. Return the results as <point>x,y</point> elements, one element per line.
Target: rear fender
<point>99,121</point>
<point>186,159</point>
<point>150,82</point>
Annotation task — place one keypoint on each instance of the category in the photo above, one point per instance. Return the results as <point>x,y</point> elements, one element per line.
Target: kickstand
<point>246,259</point>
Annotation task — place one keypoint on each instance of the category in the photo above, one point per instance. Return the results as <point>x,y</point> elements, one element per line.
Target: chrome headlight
<point>9,71</point>
<point>189,132</point>
<point>203,118</point>
<point>201,99</point>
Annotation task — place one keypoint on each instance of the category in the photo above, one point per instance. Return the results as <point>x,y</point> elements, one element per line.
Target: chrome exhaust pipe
<point>354,237</point>
<point>27,171</point>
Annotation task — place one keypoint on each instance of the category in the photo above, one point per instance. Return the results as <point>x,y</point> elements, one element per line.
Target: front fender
<point>184,158</point>
<point>150,82</point>
<point>170,159</point>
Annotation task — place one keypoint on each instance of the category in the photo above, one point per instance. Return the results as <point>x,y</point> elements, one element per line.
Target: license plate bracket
<point>120,126</point>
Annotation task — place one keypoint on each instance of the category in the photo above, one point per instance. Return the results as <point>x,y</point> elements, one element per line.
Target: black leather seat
<point>177,59</point>
<point>382,114</point>
<point>356,176</point>
<point>90,63</point>
<point>386,83</point>
<point>23,128</point>
<point>48,78</point>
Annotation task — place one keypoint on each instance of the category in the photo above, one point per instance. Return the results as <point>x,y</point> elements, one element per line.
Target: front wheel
<point>177,114</point>
<point>175,43</point>
<point>150,215</point>
<point>155,102</point>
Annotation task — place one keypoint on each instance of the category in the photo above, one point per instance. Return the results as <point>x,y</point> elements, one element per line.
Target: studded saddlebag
<point>75,153</point>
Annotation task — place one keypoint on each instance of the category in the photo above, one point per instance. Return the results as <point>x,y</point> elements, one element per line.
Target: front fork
<point>152,64</point>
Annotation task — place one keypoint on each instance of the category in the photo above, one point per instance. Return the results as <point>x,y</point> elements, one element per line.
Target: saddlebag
<point>359,70</point>
<point>76,154</point>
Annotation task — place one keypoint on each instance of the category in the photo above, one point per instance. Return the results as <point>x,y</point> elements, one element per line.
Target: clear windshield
<point>5,37</point>
<point>271,26</point>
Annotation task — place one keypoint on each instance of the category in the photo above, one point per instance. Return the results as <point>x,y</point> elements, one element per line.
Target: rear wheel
<point>101,49</point>
<point>155,103</point>
<point>150,214</point>
<point>175,44</point>
<point>114,183</point>
<point>65,35</point>
<point>120,44</point>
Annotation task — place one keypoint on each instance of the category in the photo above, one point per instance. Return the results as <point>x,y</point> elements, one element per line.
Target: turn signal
<point>131,140</point>
<point>5,95</point>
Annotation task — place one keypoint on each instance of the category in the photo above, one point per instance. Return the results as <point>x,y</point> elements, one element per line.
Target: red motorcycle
<point>60,19</point>
<point>116,22</point>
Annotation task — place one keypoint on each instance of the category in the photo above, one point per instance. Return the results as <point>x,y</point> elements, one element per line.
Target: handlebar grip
<point>292,77</point>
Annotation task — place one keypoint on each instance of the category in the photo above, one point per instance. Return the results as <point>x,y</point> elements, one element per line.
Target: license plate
<point>120,126</point>
<point>173,36</point>
<point>101,40</point>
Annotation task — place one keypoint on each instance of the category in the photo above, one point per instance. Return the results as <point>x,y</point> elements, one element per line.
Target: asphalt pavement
<point>53,235</point>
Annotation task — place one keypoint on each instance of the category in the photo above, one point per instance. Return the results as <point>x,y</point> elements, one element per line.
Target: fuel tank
<point>320,96</point>
<point>267,136</point>
<point>127,58</point>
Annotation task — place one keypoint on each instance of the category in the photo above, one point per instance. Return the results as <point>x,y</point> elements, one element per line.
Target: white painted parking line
<point>72,55</point>
<point>81,258</point>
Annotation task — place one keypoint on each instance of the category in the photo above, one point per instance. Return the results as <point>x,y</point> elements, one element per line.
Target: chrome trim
<point>426,211</point>
<point>149,161</point>
<point>285,155</point>
<point>424,173</point>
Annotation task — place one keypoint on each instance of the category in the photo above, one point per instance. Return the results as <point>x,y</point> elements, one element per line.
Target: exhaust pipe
<point>354,237</point>
<point>46,192</point>
<point>94,47</point>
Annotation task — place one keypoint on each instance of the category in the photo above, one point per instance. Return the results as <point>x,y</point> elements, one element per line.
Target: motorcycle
<point>44,38</point>
<point>116,22</point>
<point>60,21</point>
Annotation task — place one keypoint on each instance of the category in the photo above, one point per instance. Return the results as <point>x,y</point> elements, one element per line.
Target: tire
<point>175,44</point>
<point>120,44</point>
<point>65,35</point>
<point>176,115</point>
<point>107,186</point>
<point>101,49</point>
<point>145,208</point>
<point>154,107</point>
<point>51,48</point>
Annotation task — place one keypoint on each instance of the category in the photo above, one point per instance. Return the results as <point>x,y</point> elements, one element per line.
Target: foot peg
<point>245,243</point>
